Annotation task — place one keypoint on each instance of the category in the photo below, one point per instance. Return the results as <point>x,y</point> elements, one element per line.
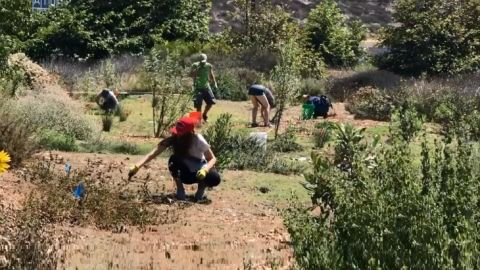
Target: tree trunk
<point>279,119</point>
<point>160,122</point>
<point>154,92</point>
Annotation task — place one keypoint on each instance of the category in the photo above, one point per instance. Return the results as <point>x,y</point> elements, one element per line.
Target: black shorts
<point>254,91</point>
<point>178,169</point>
<point>204,95</point>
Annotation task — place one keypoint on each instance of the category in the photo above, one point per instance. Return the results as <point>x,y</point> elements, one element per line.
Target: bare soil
<point>235,231</point>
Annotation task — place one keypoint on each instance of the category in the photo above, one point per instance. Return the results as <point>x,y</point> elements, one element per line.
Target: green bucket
<point>308,111</point>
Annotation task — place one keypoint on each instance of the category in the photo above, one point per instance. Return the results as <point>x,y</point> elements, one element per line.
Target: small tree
<point>171,98</point>
<point>434,37</point>
<point>328,32</point>
<point>286,77</point>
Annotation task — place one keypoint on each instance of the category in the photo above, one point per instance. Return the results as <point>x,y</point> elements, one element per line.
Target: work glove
<point>202,173</point>
<point>133,170</point>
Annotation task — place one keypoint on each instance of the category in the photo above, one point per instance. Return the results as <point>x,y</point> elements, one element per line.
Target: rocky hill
<point>374,13</point>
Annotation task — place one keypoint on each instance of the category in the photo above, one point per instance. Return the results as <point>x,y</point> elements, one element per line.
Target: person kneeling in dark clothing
<point>322,104</point>
<point>192,162</point>
<point>107,101</point>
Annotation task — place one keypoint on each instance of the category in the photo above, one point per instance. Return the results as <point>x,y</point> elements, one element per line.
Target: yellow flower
<point>4,160</point>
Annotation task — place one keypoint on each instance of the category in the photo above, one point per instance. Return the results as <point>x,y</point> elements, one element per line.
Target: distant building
<point>44,4</point>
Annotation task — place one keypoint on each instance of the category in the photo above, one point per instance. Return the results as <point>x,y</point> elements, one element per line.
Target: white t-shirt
<point>199,147</point>
<point>197,151</point>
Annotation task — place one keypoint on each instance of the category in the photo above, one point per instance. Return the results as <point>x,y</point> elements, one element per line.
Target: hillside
<point>374,13</point>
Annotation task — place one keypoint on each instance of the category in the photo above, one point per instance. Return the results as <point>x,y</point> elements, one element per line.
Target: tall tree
<point>434,36</point>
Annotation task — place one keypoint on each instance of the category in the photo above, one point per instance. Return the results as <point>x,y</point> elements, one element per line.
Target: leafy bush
<point>107,122</point>
<point>286,142</point>
<point>264,25</point>
<point>240,152</point>
<point>54,113</point>
<point>122,113</point>
<point>16,136</point>
<point>286,166</point>
<point>370,103</point>
<point>286,78</point>
<point>328,32</point>
<point>101,206</point>
<point>323,133</point>
<point>234,150</point>
<point>312,87</point>
<point>406,122</point>
<point>473,120</point>
<point>347,83</point>
<point>53,140</point>
<point>387,211</point>
<point>434,37</point>
<point>124,148</point>
<point>78,29</point>
<point>230,87</point>
<point>171,97</point>
<point>112,147</point>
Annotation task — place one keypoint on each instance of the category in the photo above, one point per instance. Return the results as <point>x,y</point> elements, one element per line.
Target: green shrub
<point>473,120</point>
<point>107,122</point>
<point>348,83</point>
<point>81,30</point>
<point>230,87</point>
<point>387,211</point>
<point>113,147</point>
<point>434,37</point>
<point>328,32</point>
<point>122,113</point>
<point>124,148</point>
<point>406,122</point>
<point>171,97</point>
<point>371,103</point>
<point>286,166</point>
<point>53,140</point>
<point>286,142</point>
<point>312,87</point>
<point>323,133</point>
<point>16,136</point>
<point>234,150</point>
<point>55,113</point>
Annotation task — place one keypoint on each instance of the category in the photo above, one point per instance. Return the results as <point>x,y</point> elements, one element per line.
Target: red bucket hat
<point>184,125</point>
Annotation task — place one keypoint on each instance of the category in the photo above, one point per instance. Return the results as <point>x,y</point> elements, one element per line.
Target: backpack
<point>324,106</point>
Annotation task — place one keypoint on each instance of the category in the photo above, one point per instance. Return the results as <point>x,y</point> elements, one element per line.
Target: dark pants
<point>179,170</point>
<point>203,95</point>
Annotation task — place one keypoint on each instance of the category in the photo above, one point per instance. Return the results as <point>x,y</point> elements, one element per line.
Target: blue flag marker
<point>79,191</point>
<point>68,168</point>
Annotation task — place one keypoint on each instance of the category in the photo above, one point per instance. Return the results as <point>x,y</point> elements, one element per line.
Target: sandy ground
<point>235,231</point>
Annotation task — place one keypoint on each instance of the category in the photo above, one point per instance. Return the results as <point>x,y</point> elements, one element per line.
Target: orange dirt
<point>338,115</point>
<point>234,231</point>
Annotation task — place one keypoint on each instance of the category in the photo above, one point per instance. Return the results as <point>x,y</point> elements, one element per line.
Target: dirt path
<point>239,229</point>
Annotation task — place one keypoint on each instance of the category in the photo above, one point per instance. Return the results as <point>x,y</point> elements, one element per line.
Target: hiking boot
<point>203,200</point>
<point>254,125</point>
<point>181,195</point>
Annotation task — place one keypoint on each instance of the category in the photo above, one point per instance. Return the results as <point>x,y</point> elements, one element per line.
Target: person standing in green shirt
<point>202,74</point>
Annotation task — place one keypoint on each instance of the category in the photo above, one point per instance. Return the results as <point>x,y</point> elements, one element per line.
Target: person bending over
<point>192,162</point>
<point>322,104</point>
<point>261,96</point>
<point>107,101</point>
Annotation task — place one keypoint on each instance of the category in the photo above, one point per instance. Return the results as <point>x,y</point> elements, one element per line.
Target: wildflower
<point>4,160</point>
